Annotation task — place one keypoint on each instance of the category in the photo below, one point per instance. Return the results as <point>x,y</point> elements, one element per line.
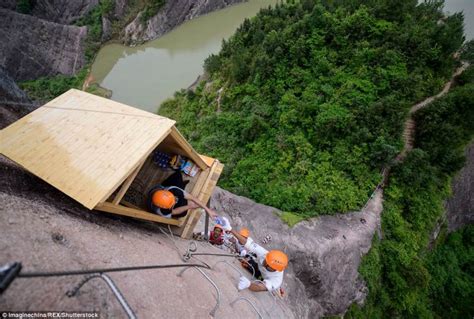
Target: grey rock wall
<point>120,8</point>
<point>324,252</point>
<point>171,15</point>
<point>14,103</point>
<point>460,207</point>
<point>33,47</point>
<point>8,4</point>
<point>63,11</point>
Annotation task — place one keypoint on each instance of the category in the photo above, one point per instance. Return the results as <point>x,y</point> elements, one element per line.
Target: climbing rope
<point>103,270</point>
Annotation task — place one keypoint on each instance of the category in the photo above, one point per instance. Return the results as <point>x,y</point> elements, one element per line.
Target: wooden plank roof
<point>82,144</point>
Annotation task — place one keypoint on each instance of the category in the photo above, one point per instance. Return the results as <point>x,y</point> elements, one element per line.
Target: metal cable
<point>120,298</point>
<point>102,270</point>
<point>212,254</point>
<point>218,292</point>
<point>250,303</point>
<point>226,262</point>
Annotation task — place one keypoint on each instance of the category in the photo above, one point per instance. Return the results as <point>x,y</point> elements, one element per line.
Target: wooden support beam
<point>204,195</point>
<point>125,203</point>
<point>136,213</point>
<point>127,183</point>
<point>190,152</point>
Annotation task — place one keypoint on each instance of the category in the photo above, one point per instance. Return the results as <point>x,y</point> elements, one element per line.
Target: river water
<point>146,75</point>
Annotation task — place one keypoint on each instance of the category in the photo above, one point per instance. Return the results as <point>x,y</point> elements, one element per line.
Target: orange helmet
<point>218,226</point>
<point>163,199</point>
<point>244,232</point>
<point>277,260</point>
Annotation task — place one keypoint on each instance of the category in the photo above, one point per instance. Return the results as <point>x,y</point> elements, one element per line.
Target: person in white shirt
<point>271,264</point>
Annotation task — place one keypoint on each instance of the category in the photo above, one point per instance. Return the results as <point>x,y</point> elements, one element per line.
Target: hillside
<point>306,102</point>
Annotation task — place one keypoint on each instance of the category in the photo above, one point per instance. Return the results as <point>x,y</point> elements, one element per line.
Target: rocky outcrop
<point>106,29</point>
<point>59,11</point>
<point>460,207</point>
<point>32,47</point>
<point>8,4</point>
<point>120,8</point>
<point>325,252</point>
<point>14,103</point>
<point>63,11</point>
<point>171,15</point>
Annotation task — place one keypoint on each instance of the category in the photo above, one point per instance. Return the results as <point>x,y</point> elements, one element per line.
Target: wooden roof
<point>84,145</point>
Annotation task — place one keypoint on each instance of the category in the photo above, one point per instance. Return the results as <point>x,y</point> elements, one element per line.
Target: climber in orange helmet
<point>169,199</point>
<point>271,264</point>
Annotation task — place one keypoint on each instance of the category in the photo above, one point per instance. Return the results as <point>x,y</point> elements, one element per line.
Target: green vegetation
<point>151,8</point>
<point>25,6</point>
<point>404,279</point>
<point>452,275</point>
<point>96,89</point>
<point>93,21</point>
<point>47,88</point>
<point>291,219</point>
<point>314,98</point>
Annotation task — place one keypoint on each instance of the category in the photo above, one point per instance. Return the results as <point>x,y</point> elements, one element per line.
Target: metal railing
<point>250,303</point>
<point>218,292</point>
<point>126,307</point>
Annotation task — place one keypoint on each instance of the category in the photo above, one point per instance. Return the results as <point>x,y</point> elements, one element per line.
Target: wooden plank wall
<point>204,195</point>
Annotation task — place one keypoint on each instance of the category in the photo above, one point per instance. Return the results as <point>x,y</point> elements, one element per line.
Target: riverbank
<point>159,68</point>
<point>65,63</point>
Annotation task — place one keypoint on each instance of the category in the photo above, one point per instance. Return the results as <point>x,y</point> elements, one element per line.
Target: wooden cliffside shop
<point>101,153</point>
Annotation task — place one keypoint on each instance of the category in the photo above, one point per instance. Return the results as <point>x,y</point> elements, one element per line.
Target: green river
<point>144,76</point>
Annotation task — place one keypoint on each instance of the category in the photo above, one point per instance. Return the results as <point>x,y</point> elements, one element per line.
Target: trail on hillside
<point>408,138</point>
<point>409,126</point>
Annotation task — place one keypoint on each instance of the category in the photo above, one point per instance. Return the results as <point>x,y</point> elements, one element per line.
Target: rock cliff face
<point>14,103</point>
<point>120,8</point>
<point>62,11</point>
<point>460,207</point>
<point>324,252</point>
<point>32,47</point>
<point>8,4</point>
<point>59,11</point>
<point>171,15</point>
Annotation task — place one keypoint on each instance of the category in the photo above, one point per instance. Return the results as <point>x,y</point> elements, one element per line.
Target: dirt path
<point>410,125</point>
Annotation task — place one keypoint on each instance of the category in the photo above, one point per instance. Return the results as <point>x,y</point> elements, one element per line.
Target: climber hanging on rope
<point>270,264</point>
